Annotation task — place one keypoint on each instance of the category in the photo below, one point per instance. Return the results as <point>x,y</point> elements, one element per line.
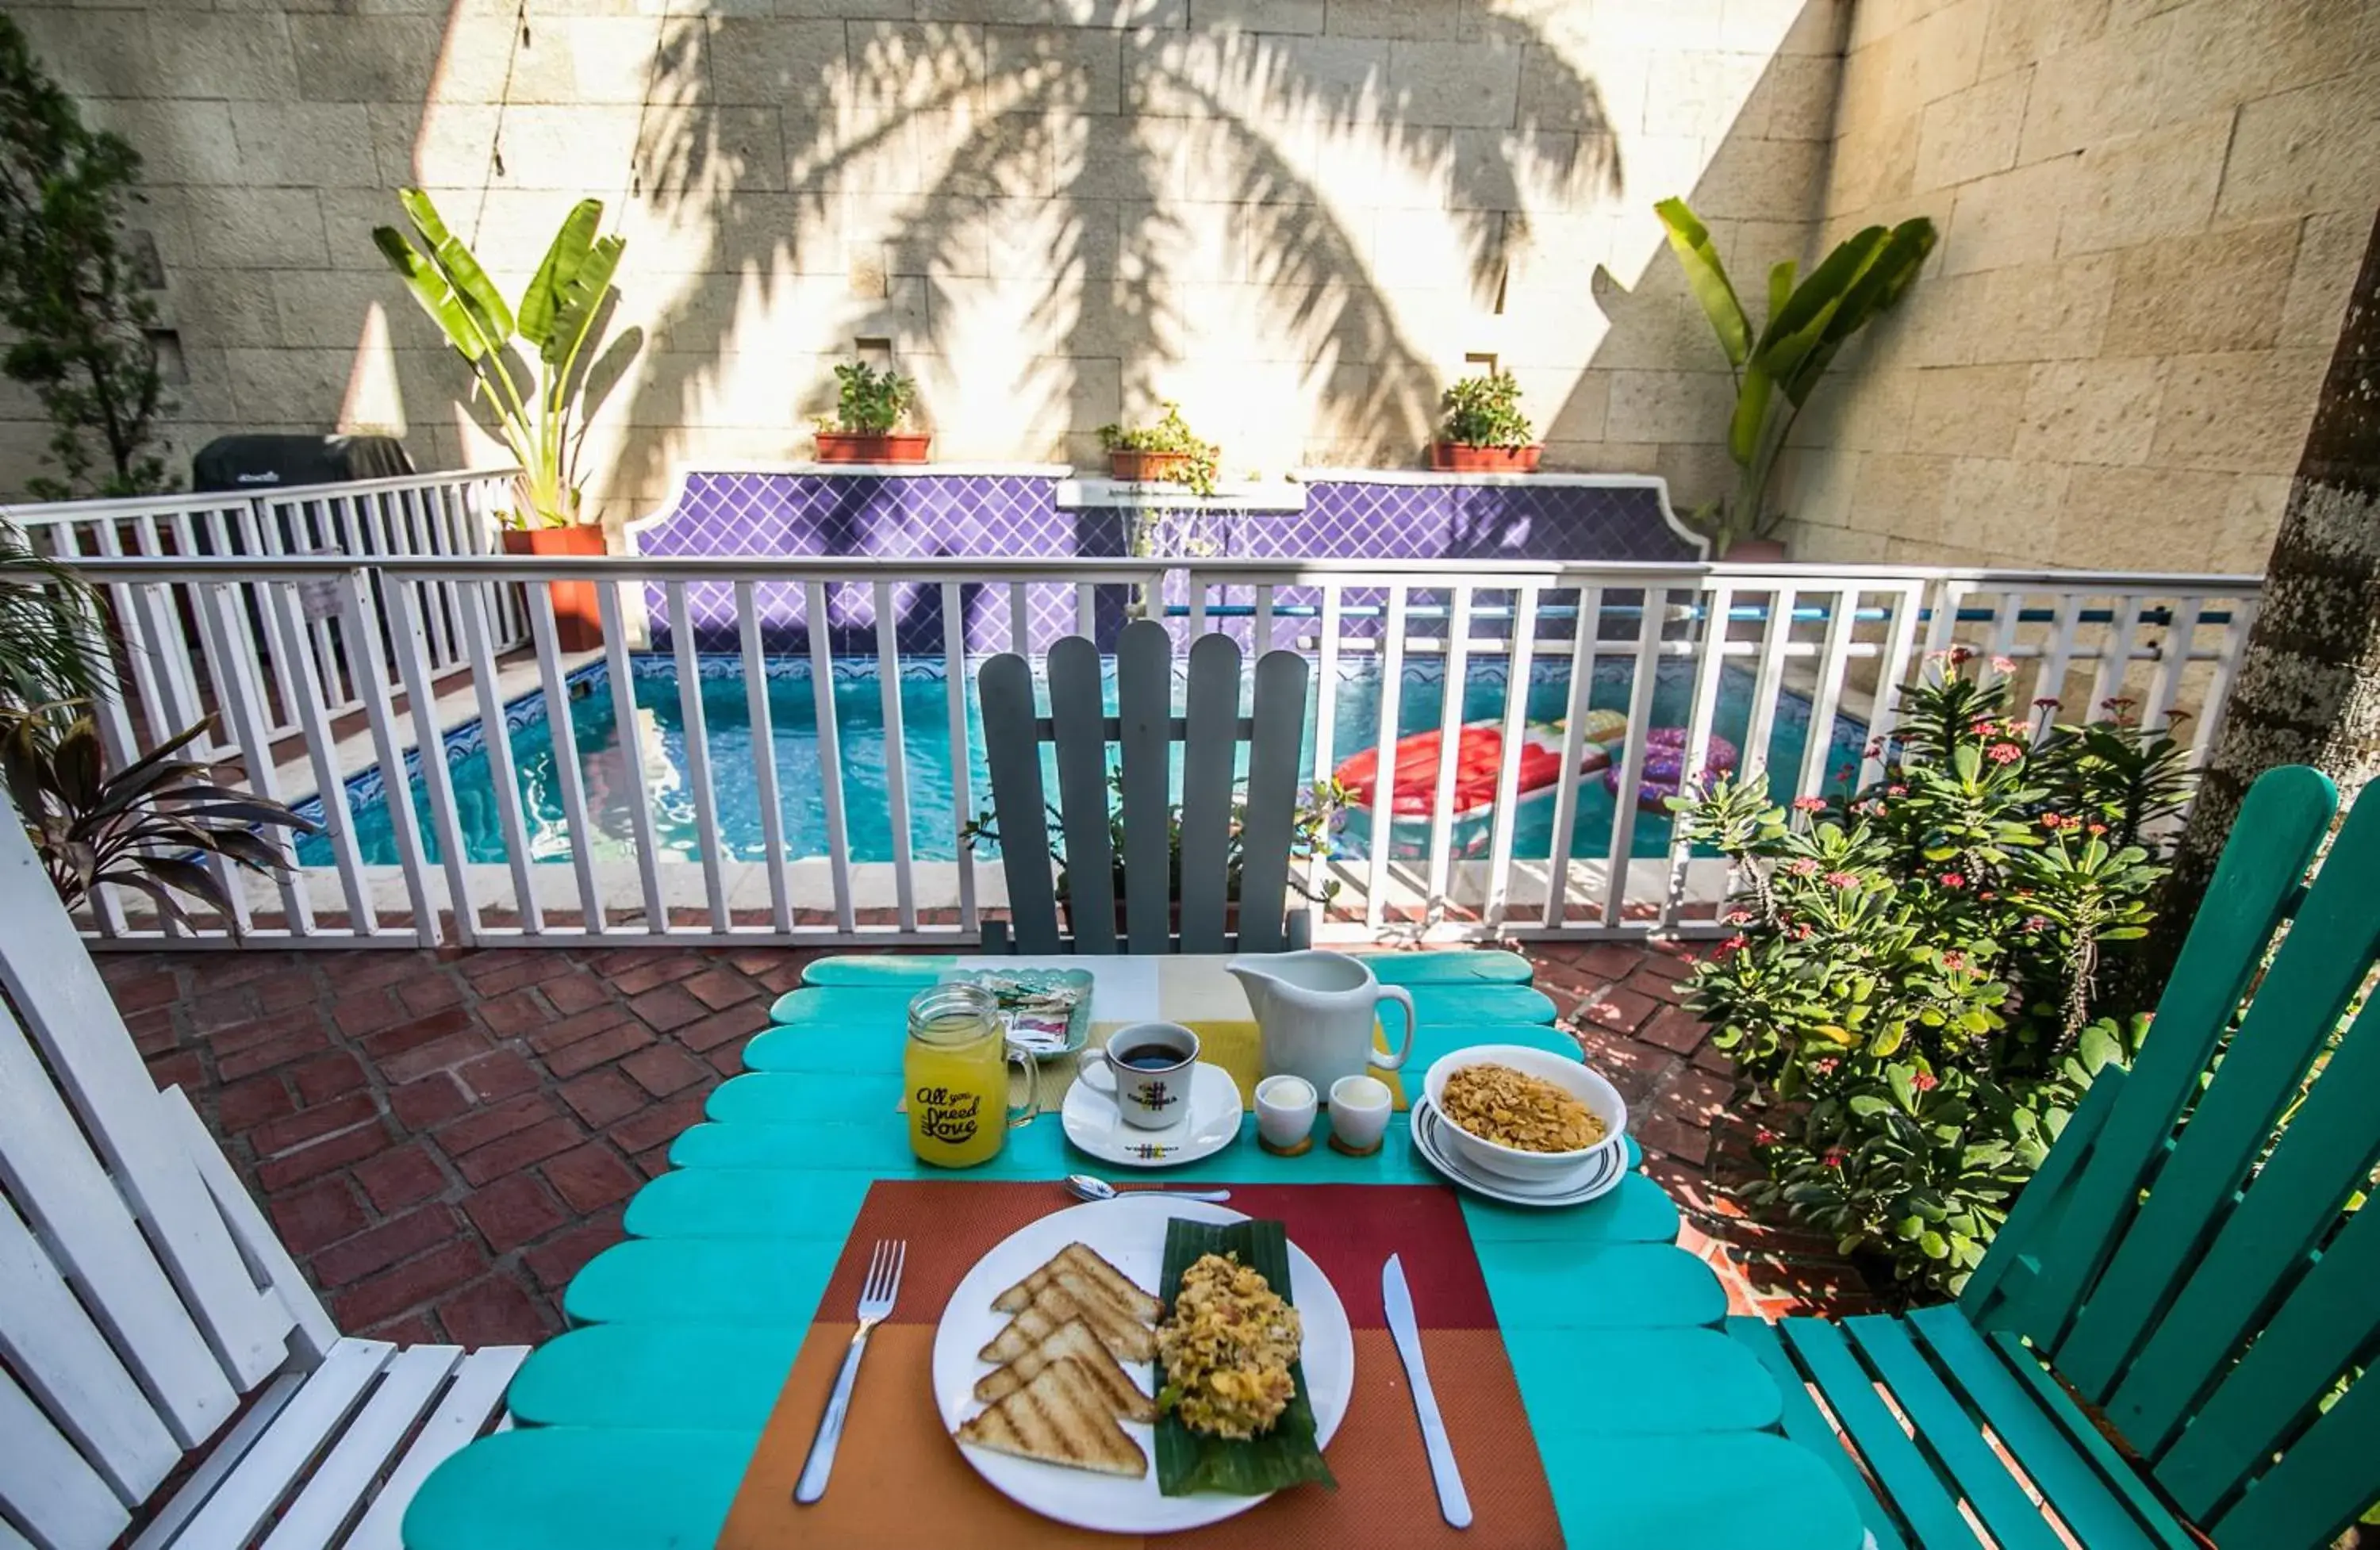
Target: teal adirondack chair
<point>2207,1289</point>
<point>1145,730</point>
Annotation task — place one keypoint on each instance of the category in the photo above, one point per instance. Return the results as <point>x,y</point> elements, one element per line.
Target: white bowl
<point>1602,1099</point>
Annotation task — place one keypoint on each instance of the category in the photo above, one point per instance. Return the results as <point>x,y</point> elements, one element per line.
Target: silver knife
<point>1451,1501</point>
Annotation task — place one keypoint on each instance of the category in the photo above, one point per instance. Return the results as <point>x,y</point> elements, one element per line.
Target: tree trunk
<point>2308,690</point>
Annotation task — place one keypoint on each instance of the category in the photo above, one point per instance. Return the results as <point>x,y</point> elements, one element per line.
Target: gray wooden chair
<point>1145,730</point>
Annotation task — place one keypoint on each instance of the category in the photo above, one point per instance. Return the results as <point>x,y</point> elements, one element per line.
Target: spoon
<point>1084,1186</point>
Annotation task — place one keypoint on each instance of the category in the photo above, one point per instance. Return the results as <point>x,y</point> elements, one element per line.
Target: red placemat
<point>900,1482</point>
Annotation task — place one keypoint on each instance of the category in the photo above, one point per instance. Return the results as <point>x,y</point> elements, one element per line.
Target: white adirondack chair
<point>148,1313</point>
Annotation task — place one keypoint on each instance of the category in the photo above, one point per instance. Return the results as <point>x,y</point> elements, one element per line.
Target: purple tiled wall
<point>807,513</point>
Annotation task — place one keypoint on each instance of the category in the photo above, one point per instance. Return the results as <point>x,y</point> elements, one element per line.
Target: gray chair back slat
<point>1079,729</point>
<point>1210,732</point>
<point>1279,716</point>
<point>1012,751</point>
<point>1210,746</point>
<point>1145,730</point>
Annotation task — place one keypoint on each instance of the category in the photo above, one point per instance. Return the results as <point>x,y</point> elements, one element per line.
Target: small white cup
<point>1286,1109</point>
<point>1359,1113</point>
<point>1147,1070</point>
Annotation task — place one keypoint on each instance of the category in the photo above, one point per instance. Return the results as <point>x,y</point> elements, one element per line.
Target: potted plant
<point>868,403</point>
<point>1485,432</point>
<point>1166,452</point>
<point>1777,369</point>
<point>544,421</point>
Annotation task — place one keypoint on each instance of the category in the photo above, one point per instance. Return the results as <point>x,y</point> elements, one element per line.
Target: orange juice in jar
<point>954,1073</point>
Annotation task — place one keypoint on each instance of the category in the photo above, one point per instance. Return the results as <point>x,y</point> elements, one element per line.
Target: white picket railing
<point>329,667</point>
<point>171,660</point>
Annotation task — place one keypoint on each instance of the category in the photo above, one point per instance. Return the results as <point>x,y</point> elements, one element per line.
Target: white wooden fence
<point>326,667</point>
<point>170,660</point>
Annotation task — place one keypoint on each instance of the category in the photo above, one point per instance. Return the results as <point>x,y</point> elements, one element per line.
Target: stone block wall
<point>1299,217</point>
<point>2151,214</point>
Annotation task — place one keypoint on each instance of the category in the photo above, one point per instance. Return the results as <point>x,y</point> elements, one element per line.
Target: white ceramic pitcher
<point>1315,1013</point>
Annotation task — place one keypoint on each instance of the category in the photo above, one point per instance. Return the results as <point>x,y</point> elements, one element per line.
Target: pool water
<point>928,775</point>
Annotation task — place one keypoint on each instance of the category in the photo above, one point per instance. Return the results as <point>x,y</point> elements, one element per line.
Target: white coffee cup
<point>1359,1111</point>
<point>1146,1068</point>
<point>1286,1109</point>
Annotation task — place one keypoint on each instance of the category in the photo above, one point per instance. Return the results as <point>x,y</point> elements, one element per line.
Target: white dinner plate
<point>1094,1124</point>
<point>1597,1177</point>
<point>1129,1234</point>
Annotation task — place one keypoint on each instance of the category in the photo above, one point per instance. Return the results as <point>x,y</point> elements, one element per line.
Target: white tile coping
<point>1433,475</point>
<point>1144,494</point>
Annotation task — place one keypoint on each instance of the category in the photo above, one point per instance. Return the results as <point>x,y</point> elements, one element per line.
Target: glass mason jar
<point>954,1072</point>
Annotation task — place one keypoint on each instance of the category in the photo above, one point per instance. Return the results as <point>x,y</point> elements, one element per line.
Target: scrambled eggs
<point>1227,1348</point>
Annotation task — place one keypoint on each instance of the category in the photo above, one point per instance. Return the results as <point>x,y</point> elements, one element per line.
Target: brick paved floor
<point>443,1138</point>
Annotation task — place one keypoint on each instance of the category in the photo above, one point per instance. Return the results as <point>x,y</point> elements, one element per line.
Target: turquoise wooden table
<point>632,1430</point>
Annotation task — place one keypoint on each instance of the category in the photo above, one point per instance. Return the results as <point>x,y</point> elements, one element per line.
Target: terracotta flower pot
<point>1461,458</point>
<point>578,621</point>
<point>854,446</point>
<point>1149,468</point>
<point>1755,551</point>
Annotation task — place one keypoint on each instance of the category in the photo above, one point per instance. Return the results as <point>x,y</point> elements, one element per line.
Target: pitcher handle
<point>1019,1114</point>
<point>1403,997</point>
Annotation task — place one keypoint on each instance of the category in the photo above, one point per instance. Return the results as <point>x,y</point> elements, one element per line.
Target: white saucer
<point>1597,1177</point>
<point>1212,1123</point>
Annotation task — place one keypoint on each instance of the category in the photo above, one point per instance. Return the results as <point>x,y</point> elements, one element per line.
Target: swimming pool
<point>862,762</point>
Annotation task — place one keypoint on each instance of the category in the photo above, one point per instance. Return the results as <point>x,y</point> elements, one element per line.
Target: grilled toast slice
<point>1112,1285</point>
<point>1060,1417</point>
<point>1068,1298</point>
<point>1071,1342</point>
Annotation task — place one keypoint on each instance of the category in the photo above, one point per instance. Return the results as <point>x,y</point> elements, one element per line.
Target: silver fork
<point>876,1296</point>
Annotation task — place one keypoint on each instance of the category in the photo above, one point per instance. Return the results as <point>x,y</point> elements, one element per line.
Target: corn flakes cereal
<point>1512,1108</point>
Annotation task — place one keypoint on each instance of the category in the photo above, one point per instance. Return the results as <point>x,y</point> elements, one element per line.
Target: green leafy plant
<point>146,827</point>
<point>71,297</point>
<point>1170,436</point>
<point>1911,995</point>
<point>868,401</point>
<point>539,412</point>
<point>53,644</point>
<point>1485,411</point>
<point>1777,370</point>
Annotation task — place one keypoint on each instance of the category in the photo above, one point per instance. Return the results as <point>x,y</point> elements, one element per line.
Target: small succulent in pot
<point>869,405</point>
<point>1166,452</point>
<point>1485,430</point>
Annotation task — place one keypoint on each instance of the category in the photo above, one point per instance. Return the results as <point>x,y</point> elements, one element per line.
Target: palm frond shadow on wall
<point>1078,150</point>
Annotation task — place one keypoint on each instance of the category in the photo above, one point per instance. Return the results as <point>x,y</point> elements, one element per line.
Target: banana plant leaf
<point>1792,332</point>
<point>1707,278</point>
<point>540,302</point>
<point>460,268</point>
<point>437,297</point>
<point>578,302</point>
<point>1892,269</point>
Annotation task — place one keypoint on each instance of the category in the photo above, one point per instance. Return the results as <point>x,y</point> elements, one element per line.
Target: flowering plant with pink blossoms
<point>1911,991</point>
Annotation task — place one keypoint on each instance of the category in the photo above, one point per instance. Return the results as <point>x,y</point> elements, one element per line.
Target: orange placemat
<point>901,1483</point>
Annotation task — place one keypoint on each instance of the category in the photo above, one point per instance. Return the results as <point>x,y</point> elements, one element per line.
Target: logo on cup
<point>943,1115</point>
<point>1147,1070</point>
